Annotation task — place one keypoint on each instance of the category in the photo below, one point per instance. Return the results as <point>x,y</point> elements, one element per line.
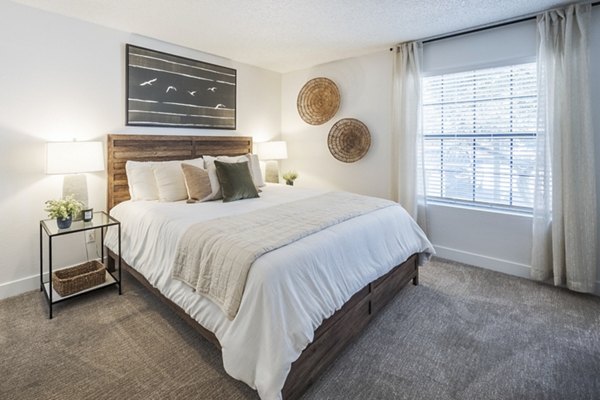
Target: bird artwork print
<point>148,83</point>
<point>171,91</point>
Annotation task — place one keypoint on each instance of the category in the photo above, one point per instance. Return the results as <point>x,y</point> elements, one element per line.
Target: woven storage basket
<point>72,280</point>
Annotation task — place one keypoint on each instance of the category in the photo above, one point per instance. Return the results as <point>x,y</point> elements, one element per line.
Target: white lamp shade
<point>272,150</point>
<point>74,157</point>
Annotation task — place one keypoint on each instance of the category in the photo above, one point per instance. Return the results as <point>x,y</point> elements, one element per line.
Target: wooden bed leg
<point>416,278</point>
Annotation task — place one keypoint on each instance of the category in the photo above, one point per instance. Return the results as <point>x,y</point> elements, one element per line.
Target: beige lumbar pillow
<point>197,183</point>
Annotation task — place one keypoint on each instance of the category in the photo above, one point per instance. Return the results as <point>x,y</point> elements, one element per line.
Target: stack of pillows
<point>196,180</point>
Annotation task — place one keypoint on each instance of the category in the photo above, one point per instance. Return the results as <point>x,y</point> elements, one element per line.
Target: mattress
<point>289,291</point>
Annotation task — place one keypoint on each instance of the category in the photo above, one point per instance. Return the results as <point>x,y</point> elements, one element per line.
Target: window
<point>479,131</point>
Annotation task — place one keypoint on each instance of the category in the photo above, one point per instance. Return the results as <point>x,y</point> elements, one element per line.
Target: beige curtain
<point>408,183</point>
<point>565,215</point>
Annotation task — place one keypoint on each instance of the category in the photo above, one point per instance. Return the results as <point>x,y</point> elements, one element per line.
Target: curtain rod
<point>486,27</point>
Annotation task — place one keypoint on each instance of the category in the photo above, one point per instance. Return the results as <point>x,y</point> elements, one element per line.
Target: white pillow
<point>253,165</point>
<point>209,165</point>
<point>140,178</point>
<point>257,175</point>
<point>170,180</point>
<point>142,181</point>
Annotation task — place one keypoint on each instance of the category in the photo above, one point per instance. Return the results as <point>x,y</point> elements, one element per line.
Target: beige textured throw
<point>215,256</point>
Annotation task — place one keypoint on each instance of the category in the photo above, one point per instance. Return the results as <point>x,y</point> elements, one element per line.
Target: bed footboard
<point>336,332</point>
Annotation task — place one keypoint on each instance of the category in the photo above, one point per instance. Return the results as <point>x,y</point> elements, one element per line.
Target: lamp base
<point>272,172</point>
<point>76,185</point>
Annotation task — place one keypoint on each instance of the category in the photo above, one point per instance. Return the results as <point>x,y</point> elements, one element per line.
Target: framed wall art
<point>172,91</point>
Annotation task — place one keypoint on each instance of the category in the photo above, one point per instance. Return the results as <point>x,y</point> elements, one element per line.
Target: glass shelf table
<point>100,221</point>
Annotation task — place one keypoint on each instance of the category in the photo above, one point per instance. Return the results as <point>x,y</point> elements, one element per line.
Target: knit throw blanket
<point>215,256</point>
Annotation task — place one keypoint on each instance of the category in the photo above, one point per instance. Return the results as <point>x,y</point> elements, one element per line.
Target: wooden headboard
<point>121,148</point>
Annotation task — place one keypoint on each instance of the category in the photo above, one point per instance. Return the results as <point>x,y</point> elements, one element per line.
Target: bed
<point>339,319</point>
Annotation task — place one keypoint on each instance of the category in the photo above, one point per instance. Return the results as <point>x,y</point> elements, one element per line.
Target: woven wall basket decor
<point>349,140</point>
<point>318,101</point>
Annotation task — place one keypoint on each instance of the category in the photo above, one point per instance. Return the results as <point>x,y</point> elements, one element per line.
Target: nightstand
<point>100,221</point>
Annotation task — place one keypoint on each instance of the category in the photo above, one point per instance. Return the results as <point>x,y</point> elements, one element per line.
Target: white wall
<point>61,79</point>
<point>365,88</point>
<point>498,241</point>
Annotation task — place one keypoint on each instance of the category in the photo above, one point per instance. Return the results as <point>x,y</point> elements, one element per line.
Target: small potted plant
<point>63,210</point>
<point>290,177</point>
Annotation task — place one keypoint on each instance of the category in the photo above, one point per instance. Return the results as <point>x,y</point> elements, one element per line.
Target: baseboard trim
<point>491,263</point>
<point>20,286</point>
<point>478,260</point>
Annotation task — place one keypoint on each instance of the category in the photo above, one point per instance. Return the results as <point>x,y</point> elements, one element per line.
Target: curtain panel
<point>565,214</point>
<point>408,177</point>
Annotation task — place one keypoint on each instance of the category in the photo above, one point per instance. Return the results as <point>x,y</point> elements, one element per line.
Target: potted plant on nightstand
<point>63,210</point>
<point>290,177</point>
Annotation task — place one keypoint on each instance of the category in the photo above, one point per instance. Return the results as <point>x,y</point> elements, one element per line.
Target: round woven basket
<point>349,140</point>
<point>318,101</point>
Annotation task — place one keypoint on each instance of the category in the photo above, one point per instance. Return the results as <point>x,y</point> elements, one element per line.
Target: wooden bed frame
<point>334,334</point>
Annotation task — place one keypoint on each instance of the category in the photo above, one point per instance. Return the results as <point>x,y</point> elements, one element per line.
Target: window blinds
<point>480,136</point>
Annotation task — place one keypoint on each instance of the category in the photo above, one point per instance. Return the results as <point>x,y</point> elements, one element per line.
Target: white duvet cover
<point>289,291</point>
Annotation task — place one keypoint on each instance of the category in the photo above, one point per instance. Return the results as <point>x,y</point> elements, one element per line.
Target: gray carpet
<point>463,333</point>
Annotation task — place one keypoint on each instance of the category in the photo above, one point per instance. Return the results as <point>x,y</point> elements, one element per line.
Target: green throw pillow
<point>236,181</point>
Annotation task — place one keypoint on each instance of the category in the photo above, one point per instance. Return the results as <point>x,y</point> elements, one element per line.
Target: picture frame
<point>87,215</point>
<point>165,90</point>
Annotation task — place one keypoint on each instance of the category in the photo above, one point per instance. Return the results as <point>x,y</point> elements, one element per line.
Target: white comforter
<point>289,291</point>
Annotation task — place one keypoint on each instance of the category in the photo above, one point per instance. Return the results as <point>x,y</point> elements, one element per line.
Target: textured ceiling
<point>286,35</point>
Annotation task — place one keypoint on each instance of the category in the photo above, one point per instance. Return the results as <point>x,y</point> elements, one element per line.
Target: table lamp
<point>73,159</point>
<point>272,152</point>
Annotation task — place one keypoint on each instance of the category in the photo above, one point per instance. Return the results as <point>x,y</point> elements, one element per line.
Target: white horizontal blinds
<point>479,129</point>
